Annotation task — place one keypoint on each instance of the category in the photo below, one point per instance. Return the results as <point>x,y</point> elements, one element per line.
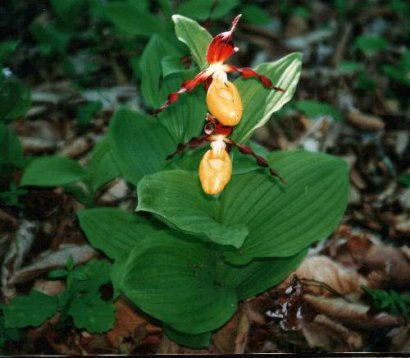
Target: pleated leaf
<point>185,118</point>
<point>113,231</point>
<point>281,220</point>
<point>176,197</point>
<point>151,70</point>
<point>53,171</point>
<point>194,36</point>
<point>102,168</point>
<point>130,18</point>
<point>175,281</point>
<point>260,274</point>
<point>260,103</point>
<point>188,286</point>
<point>139,144</point>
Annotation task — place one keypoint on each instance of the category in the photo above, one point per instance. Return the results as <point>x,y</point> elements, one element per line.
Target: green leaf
<point>260,275</point>
<point>67,8</point>
<point>281,220</point>
<point>50,39</point>
<point>405,180</point>
<point>390,301</point>
<point>130,18</point>
<point>151,70</point>
<point>15,99</point>
<point>52,171</point>
<point>91,313</point>
<point>260,103</point>
<point>57,273</point>
<point>31,310</point>
<point>113,231</point>
<point>6,49</point>
<point>370,44</point>
<point>184,119</point>
<point>138,144</point>
<point>194,36</point>
<point>255,15</point>
<point>350,66</point>
<point>171,64</point>
<point>175,281</point>
<point>8,333</point>
<point>11,197</point>
<point>177,198</point>
<point>11,156</point>
<point>86,113</point>
<point>188,340</point>
<point>365,82</point>
<point>81,192</point>
<point>314,109</point>
<point>206,9</point>
<point>102,168</point>
<point>396,74</point>
<point>93,274</point>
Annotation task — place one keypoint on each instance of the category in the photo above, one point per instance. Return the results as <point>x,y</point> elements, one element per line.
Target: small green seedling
<point>81,300</point>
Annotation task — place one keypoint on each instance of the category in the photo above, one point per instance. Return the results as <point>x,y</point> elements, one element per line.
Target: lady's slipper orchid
<point>215,168</point>
<point>223,99</point>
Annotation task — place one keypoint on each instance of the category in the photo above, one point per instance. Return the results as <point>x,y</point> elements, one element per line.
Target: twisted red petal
<point>186,86</point>
<point>222,46</point>
<point>193,143</point>
<point>259,159</point>
<point>247,72</point>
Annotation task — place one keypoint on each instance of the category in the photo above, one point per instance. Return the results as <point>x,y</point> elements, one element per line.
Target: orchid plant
<point>211,228</point>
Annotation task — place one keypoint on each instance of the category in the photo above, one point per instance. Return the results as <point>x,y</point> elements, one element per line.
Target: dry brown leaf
<point>76,147</point>
<point>356,314</point>
<point>337,307</point>
<point>16,254</point>
<point>365,121</point>
<point>127,324</point>
<point>316,270</point>
<point>51,288</point>
<point>400,338</point>
<point>391,261</point>
<point>325,333</point>
<point>52,259</point>
<point>224,338</point>
<point>242,330</point>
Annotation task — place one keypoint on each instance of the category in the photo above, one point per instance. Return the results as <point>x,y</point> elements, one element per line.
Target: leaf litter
<point>321,306</point>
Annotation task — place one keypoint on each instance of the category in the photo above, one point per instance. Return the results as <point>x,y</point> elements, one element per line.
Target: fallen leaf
<point>128,323</point>
<point>330,335</point>
<point>356,314</point>
<point>53,258</point>
<point>365,121</point>
<point>322,276</point>
<point>16,254</point>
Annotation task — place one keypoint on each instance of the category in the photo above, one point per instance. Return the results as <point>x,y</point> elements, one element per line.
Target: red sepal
<point>186,86</point>
<point>222,46</point>
<point>259,159</point>
<point>193,143</point>
<point>247,72</point>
